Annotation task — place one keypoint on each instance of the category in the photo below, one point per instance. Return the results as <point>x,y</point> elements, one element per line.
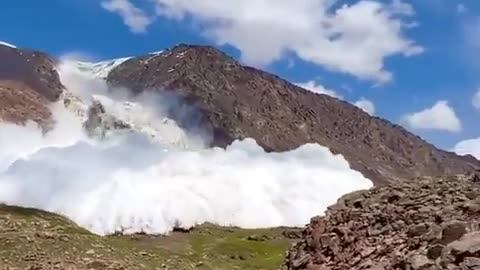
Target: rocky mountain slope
<point>28,82</point>
<point>427,224</point>
<point>239,101</point>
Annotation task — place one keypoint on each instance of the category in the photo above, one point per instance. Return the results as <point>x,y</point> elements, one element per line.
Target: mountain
<point>28,83</point>
<point>123,187</point>
<point>236,102</point>
<point>240,101</point>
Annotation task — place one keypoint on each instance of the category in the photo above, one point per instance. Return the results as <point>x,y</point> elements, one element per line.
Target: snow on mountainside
<point>102,69</point>
<point>105,115</point>
<point>7,44</point>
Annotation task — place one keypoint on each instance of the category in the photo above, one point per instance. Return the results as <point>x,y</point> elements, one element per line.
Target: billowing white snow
<point>7,44</point>
<point>101,69</point>
<point>130,183</point>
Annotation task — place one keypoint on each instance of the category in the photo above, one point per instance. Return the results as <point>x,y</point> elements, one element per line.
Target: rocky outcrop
<point>424,224</point>
<point>103,117</point>
<point>19,103</point>
<point>240,101</point>
<point>28,83</point>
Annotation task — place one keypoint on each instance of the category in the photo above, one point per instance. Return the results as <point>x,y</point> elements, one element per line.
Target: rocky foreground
<point>425,224</point>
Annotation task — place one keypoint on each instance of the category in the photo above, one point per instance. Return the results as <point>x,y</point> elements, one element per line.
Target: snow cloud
<point>439,117</point>
<point>135,18</point>
<point>352,38</point>
<point>366,105</point>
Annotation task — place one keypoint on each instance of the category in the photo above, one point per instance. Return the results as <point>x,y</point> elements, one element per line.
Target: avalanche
<point>128,182</point>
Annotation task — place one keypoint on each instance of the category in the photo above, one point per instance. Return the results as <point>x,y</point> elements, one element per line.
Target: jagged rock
<point>452,231</point>
<point>376,229</point>
<point>99,123</point>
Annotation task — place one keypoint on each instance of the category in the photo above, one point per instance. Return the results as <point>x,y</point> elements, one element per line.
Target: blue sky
<point>403,56</point>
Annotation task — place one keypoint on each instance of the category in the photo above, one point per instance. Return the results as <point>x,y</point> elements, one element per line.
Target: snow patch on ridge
<point>7,44</point>
<point>102,69</point>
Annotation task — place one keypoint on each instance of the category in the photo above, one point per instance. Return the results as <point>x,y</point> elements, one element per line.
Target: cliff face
<point>28,83</point>
<point>239,101</point>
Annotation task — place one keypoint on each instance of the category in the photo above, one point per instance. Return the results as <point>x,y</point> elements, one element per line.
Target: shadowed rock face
<point>240,101</point>
<point>28,82</point>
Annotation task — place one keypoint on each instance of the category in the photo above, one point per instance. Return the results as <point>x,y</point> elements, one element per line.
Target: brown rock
<point>28,83</point>
<point>418,230</point>
<point>469,244</point>
<point>452,231</point>
<point>414,240</point>
<point>435,251</point>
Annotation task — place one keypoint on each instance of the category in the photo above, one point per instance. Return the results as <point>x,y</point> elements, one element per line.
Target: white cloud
<point>439,117</point>
<point>461,8</point>
<point>476,100</point>
<point>136,20</point>
<point>353,39</point>
<point>471,147</point>
<point>318,88</point>
<point>366,105</point>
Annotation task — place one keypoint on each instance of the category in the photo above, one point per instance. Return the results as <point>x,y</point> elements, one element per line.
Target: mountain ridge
<point>241,101</point>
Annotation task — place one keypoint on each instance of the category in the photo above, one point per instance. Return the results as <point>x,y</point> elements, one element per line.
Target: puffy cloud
<point>439,117</point>
<point>352,38</point>
<point>476,100</point>
<point>471,147</point>
<point>461,8</point>
<point>136,20</point>
<point>366,105</point>
<point>318,88</point>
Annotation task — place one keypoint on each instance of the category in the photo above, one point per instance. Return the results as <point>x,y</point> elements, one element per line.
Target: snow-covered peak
<point>102,69</point>
<point>7,44</point>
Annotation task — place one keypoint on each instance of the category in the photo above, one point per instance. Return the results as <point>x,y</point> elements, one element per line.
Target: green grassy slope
<point>33,239</point>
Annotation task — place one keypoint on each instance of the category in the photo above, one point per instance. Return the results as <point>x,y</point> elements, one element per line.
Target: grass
<point>30,237</point>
